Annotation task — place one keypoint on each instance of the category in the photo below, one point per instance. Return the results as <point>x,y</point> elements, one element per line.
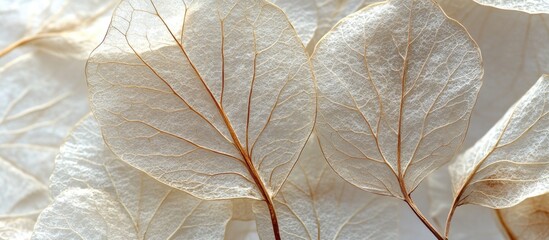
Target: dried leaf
<point>397,82</point>
<point>222,114</point>
<point>527,220</point>
<point>60,27</point>
<point>303,15</point>
<point>16,228</point>
<point>515,52</point>
<point>511,162</point>
<point>42,94</point>
<point>99,196</point>
<point>315,203</point>
<point>529,6</point>
<point>471,221</point>
<point>40,102</point>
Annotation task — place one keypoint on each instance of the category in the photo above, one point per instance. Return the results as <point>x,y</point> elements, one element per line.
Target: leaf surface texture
<point>303,15</point>
<point>96,195</point>
<point>216,110</point>
<point>511,162</point>
<point>529,6</point>
<point>515,52</point>
<point>397,82</point>
<point>315,203</point>
<point>528,219</point>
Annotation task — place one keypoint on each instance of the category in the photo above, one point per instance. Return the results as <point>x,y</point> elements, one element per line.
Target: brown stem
<point>504,225</point>
<point>400,170</point>
<point>449,218</point>
<point>418,213</point>
<point>423,219</point>
<point>274,220</point>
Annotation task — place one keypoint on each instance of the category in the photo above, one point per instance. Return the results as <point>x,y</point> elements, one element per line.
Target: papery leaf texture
<point>529,6</point>
<point>511,162</point>
<point>15,228</point>
<point>214,98</point>
<point>316,203</point>
<point>515,52</point>
<point>43,46</point>
<point>97,195</point>
<point>528,219</point>
<point>397,82</point>
<point>59,27</point>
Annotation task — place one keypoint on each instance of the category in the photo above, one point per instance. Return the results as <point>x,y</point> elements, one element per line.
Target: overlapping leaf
<point>214,98</point>
<point>60,27</point>
<point>42,94</point>
<point>397,82</point>
<point>515,52</point>
<point>527,220</point>
<point>471,222</point>
<point>529,6</point>
<point>315,203</point>
<point>39,105</point>
<point>303,15</point>
<point>16,228</point>
<point>99,196</point>
<point>511,162</point>
<point>330,12</point>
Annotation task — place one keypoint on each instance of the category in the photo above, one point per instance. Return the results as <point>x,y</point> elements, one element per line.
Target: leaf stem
<point>21,42</point>
<point>449,218</point>
<point>504,225</point>
<point>408,199</point>
<point>423,219</point>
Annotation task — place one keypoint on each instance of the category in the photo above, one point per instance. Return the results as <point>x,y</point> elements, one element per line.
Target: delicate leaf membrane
<point>330,12</point>
<point>217,114</point>
<point>99,196</point>
<point>40,102</point>
<point>303,16</point>
<point>529,6</point>
<point>315,203</point>
<point>59,27</point>
<point>515,52</point>
<point>511,162</point>
<point>16,228</point>
<point>471,221</point>
<point>527,220</point>
<point>397,82</point>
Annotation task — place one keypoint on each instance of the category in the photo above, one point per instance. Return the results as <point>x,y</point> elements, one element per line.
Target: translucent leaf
<point>99,196</point>
<point>40,102</point>
<point>303,15</point>
<point>60,27</point>
<point>470,222</point>
<point>330,12</point>
<point>223,113</point>
<point>16,228</point>
<point>529,6</point>
<point>315,203</point>
<point>515,52</point>
<point>42,94</point>
<point>397,82</point>
<point>511,162</point>
<point>527,220</point>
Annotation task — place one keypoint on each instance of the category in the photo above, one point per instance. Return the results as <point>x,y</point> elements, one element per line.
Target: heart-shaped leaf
<point>397,82</point>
